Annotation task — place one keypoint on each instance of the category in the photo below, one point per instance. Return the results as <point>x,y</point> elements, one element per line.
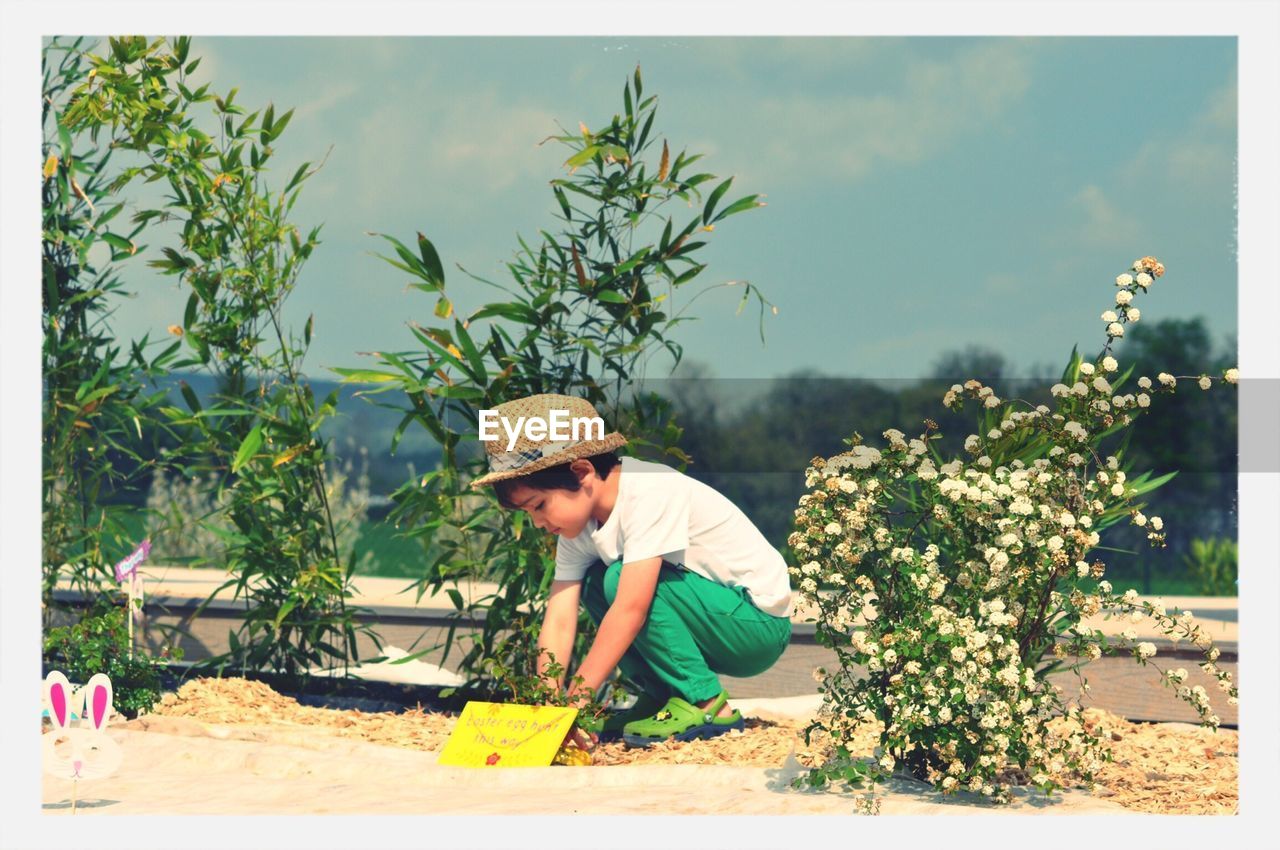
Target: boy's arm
<point>622,622</point>
<point>559,627</point>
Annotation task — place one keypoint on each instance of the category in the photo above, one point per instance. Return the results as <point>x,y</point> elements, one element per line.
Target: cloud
<point>316,107</point>
<point>468,148</point>
<point>1003,283</point>
<point>849,135</point>
<point>1201,157</point>
<point>1188,169</point>
<point>1103,222</point>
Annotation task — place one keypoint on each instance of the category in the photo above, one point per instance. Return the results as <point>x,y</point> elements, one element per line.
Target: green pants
<point>696,628</point>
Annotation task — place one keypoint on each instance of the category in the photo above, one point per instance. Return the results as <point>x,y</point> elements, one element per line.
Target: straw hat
<point>531,455</point>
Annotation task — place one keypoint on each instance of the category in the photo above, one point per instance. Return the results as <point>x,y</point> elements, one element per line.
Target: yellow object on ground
<point>491,734</point>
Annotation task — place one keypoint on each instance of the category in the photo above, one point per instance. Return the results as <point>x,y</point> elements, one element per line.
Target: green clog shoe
<point>682,721</point>
<point>608,726</point>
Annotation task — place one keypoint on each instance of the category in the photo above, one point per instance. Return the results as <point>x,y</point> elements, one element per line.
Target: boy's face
<point>563,512</point>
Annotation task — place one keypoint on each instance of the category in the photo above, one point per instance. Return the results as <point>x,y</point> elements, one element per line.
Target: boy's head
<point>547,455</point>
<point>561,498</point>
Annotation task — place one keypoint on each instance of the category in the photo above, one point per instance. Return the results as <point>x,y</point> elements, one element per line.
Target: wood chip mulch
<point>1163,768</point>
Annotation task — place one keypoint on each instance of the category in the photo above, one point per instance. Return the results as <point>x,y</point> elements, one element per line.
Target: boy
<point>680,583</point>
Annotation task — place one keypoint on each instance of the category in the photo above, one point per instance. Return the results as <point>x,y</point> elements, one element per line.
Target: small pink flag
<point>129,566</point>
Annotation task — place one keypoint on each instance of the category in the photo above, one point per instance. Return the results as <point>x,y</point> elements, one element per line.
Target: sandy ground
<point>250,750</point>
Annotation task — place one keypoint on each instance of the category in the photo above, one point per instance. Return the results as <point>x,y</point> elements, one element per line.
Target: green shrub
<point>1213,565</point>
<point>99,643</point>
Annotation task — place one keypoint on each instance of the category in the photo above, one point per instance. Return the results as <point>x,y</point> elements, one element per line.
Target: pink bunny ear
<point>98,700</point>
<point>57,693</point>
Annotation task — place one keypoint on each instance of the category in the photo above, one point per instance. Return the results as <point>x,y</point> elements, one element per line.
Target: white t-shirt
<point>662,511</point>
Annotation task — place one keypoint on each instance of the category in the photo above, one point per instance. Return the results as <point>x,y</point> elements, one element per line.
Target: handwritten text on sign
<point>490,734</point>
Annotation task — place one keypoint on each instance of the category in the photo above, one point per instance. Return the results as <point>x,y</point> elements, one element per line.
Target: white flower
<point>1138,265</point>
<point>1144,382</point>
<point>1060,390</point>
<point>1144,400</point>
<point>1086,368</point>
<point>1133,314</point>
<point>1129,634</point>
<point>809,586</point>
<point>832,528</point>
<point>1067,519</point>
<point>971,442</point>
<point>1124,280</point>
<point>1123,297</point>
<point>1205,383</point>
<point>1144,280</point>
<point>1146,650</point>
<point>1078,388</point>
<point>1109,364</point>
<point>1100,384</point>
<point>992,401</point>
<point>1054,543</point>
<point>890,656</point>
<point>1115,329</point>
<point>1157,523</point>
<point>1231,376</point>
<point>1117,489</point>
<point>1167,379</point>
<point>993,434</point>
<point>1108,316</point>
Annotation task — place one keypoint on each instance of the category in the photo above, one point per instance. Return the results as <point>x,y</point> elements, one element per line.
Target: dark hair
<point>558,477</point>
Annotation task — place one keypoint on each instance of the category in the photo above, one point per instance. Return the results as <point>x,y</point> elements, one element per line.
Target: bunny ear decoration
<point>57,693</point>
<point>98,694</point>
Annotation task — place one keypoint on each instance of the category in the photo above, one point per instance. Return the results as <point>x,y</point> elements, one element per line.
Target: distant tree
<point>973,361</point>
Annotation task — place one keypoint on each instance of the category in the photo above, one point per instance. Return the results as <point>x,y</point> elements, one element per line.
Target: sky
<point>923,193</point>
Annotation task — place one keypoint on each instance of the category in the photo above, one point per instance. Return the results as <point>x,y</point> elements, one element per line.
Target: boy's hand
<point>583,739</point>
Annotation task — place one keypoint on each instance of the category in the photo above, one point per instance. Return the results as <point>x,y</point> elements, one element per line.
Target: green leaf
<point>193,402</point>
<point>478,372</point>
<point>431,260</point>
<point>121,244</point>
<point>748,203</point>
<point>516,312</point>
<point>611,297</point>
<point>279,126</point>
<point>583,156</point>
<point>716,195</point>
<point>297,177</point>
<point>252,442</point>
<point>284,612</point>
<point>366,375</point>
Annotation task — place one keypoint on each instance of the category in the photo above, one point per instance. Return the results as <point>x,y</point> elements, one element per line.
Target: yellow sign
<point>490,734</point>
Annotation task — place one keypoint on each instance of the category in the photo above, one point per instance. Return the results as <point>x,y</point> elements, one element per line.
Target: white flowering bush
<point>959,585</point>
